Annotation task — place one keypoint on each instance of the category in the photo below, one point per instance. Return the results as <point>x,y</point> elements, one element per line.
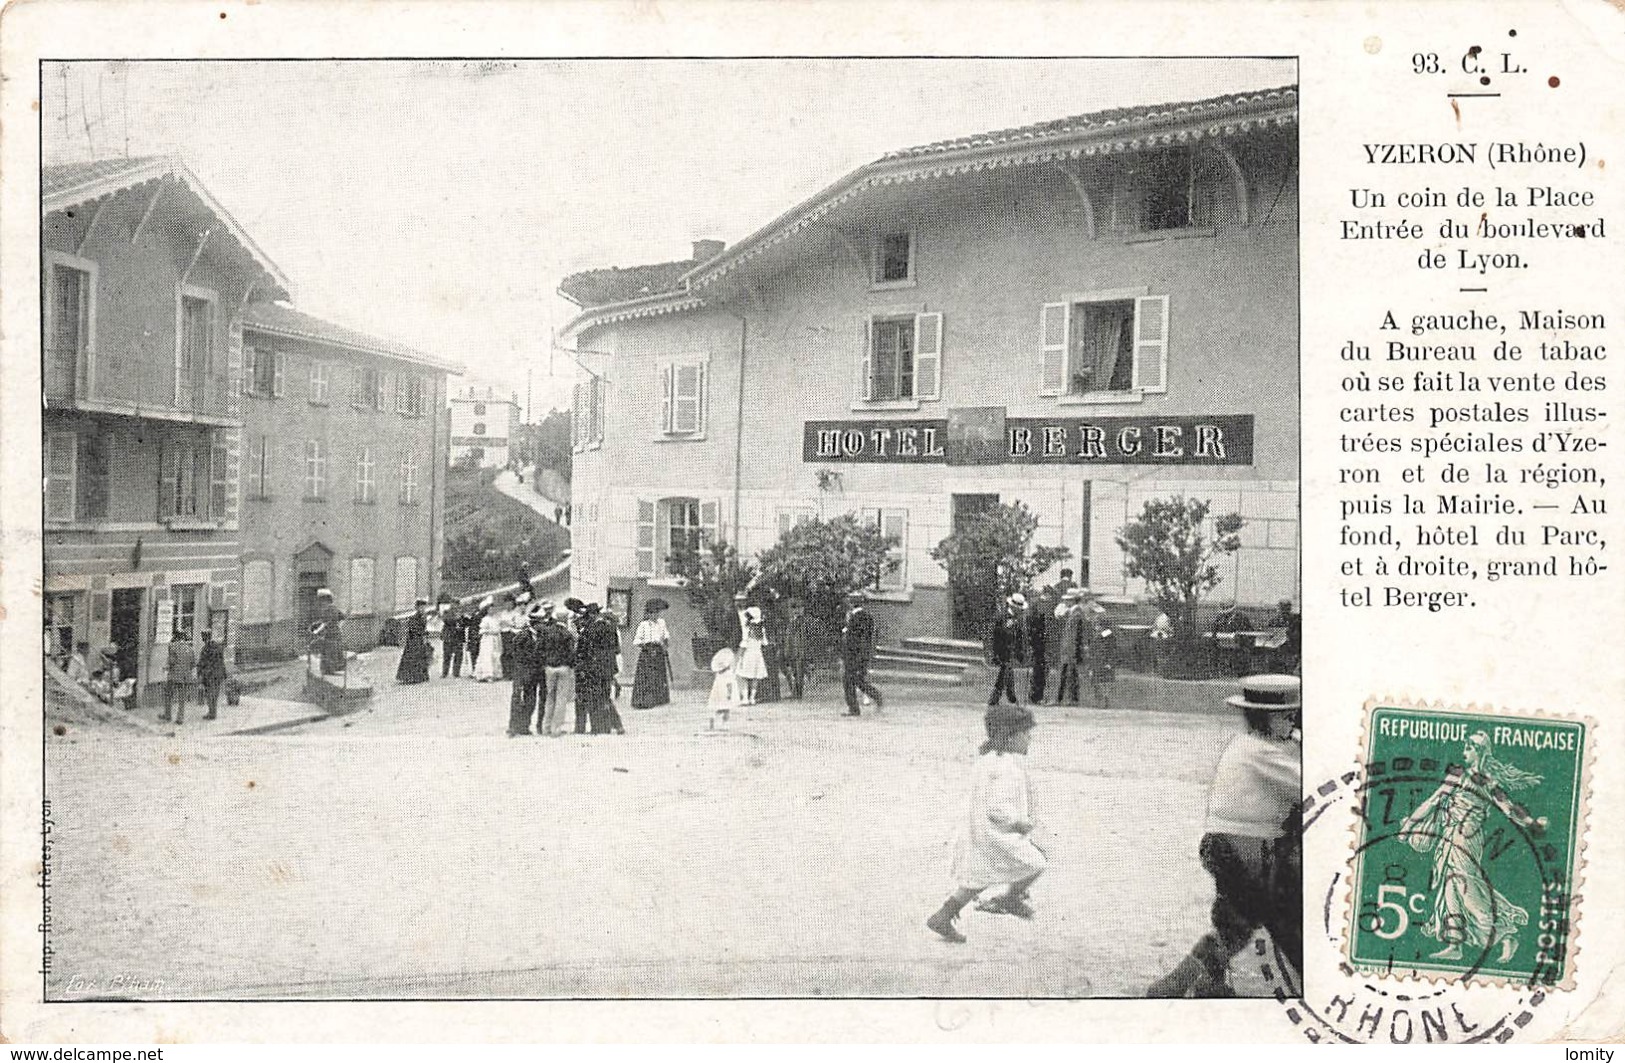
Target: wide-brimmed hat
<point>537,611</point>
<point>573,604</point>
<point>109,651</point>
<point>1018,600</point>
<point>722,660</point>
<point>521,598</point>
<point>1005,718</point>
<point>754,615</point>
<point>1278,693</point>
<point>591,608</point>
<point>323,592</point>
<point>655,605</point>
<point>420,601</point>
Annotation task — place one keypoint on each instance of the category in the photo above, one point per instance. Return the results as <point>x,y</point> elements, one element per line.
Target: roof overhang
<point>428,361</point>
<point>1145,129</point>
<point>157,169</point>
<point>649,306</point>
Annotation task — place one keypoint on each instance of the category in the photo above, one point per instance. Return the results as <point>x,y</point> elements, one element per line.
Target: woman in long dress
<point>752,664</point>
<point>490,662</point>
<point>1467,911</point>
<point>652,684</point>
<point>415,653</point>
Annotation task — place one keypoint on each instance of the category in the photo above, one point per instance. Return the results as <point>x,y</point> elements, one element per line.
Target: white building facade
<point>483,427</point>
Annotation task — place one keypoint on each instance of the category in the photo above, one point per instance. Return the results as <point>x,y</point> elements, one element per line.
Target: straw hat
<point>1273,692</point>
<point>754,615</point>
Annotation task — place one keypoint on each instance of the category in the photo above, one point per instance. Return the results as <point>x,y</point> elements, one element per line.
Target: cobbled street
<point>412,850</point>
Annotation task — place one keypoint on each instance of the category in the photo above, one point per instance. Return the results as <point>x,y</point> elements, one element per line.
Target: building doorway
<point>975,605</point>
<point>125,629</point>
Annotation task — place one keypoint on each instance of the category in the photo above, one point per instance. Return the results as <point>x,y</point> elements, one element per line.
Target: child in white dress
<point>751,665</point>
<point>996,847</point>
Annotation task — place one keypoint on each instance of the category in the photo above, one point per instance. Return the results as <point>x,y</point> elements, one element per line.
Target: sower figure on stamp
<point>857,650</point>
<point>996,847</point>
<point>1450,824</point>
<point>1005,647</point>
<point>1252,844</point>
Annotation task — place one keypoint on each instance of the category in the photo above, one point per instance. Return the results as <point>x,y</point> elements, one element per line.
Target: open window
<point>670,526</point>
<point>1177,189</point>
<point>902,358</point>
<point>1108,347</point>
<point>892,259</point>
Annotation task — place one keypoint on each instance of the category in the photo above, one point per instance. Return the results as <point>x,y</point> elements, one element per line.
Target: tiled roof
<point>596,287</point>
<point>286,321</point>
<point>65,177</point>
<point>1097,120</point>
<point>65,186</point>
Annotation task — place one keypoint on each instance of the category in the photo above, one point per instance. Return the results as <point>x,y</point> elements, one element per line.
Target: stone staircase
<point>928,661</point>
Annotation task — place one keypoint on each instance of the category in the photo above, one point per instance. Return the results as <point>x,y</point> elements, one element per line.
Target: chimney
<point>706,250</point>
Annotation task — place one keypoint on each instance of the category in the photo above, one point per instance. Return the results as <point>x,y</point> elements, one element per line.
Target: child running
<point>996,848</point>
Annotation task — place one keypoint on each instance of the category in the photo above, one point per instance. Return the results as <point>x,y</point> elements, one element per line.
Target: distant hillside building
<point>343,478</point>
<point>484,427</point>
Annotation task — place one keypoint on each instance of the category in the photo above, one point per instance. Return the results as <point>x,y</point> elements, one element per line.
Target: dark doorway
<point>125,632</point>
<point>305,602</point>
<point>975,605</point>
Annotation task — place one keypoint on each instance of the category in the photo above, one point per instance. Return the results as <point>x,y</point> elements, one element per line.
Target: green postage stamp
<point>1470,845</point>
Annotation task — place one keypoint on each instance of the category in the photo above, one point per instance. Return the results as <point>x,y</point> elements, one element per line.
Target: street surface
<point>412,850</point>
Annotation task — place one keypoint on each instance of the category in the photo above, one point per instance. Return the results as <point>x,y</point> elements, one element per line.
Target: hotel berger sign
<point>984,436</point>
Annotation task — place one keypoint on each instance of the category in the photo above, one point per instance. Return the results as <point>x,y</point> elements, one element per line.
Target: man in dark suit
<point>1008,647</point>
<point>527,674</point>
<point>451,641</point>
<point>597,649</point>
<point>857,650</point>
<point>1037,621</point>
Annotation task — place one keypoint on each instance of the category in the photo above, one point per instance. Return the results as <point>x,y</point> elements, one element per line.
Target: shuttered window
<point>792,516</point>
<point>72,295</point>
<point>1105,346</point>
<point>682,398</point>
<point>646,538</point>
<point>892,522</point>
<point>406,582</point>
<point>319,383</point>
<point>902,358</point>
<point>61,465</point>
<point>91,476</point>
<point>362,599</point>
<point>259,578</point>
<point>219,480</point>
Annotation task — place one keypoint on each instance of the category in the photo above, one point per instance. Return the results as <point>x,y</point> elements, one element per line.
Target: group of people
<point>1251,844</point>
<point>767,639</point>
<point>549,655</point>
<point>189,673</point>
<point>1061,627</point>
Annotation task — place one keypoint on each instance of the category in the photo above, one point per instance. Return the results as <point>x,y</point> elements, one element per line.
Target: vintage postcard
<point>737,522</point>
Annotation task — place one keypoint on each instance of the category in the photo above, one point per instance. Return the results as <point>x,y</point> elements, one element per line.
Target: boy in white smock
<point>996,847</point>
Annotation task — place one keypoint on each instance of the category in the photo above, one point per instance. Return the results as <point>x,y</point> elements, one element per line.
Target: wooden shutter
<point>646,538</point>
<point>219,482</point>
<point>711,520</point>
<point>279,369</point>
<point>927,356</point>
<point>60,470</point>
<point>1053,326</point>
<point>666,404</point>
<point>249,357</point>
<point>91,475</point>
<point>169,477</point>
<point>1151,343</point>
<point>685,404</point>
<point>575,415</point>
<point>258,577</point>
<point>895,522</point>
<point>866,364</point>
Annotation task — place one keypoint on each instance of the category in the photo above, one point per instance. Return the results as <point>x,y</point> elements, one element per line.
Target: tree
<point>822,561</point>
<point>1169,547</point>
<point>713,573</point>
<point>991,555</point>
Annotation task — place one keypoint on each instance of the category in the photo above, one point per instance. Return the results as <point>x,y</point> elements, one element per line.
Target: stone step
<point>899,674</point>
<point>920,662</point>
<point>964,649</point>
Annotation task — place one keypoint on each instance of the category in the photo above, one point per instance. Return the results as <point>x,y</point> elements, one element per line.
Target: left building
<point>162,490</point>
<point>145,277</point>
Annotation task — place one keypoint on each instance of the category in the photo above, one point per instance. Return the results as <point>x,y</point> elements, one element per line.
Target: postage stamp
<point>1469,846</point>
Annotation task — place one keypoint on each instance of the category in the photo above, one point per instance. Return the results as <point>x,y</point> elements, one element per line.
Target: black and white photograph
<point>675,528</point>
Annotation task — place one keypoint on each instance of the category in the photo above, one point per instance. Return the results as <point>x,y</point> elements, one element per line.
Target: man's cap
<point>1018,600</point>
<point>323,592</point>
<point>421,601</point>
<point>1274,692</point>
<point>573,604</point>
<point>537,611</point>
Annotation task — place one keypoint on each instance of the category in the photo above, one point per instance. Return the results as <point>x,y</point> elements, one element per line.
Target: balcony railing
<point>125,386</point>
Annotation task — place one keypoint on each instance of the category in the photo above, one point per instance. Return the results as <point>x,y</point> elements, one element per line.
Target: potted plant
<point>712,573</point>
